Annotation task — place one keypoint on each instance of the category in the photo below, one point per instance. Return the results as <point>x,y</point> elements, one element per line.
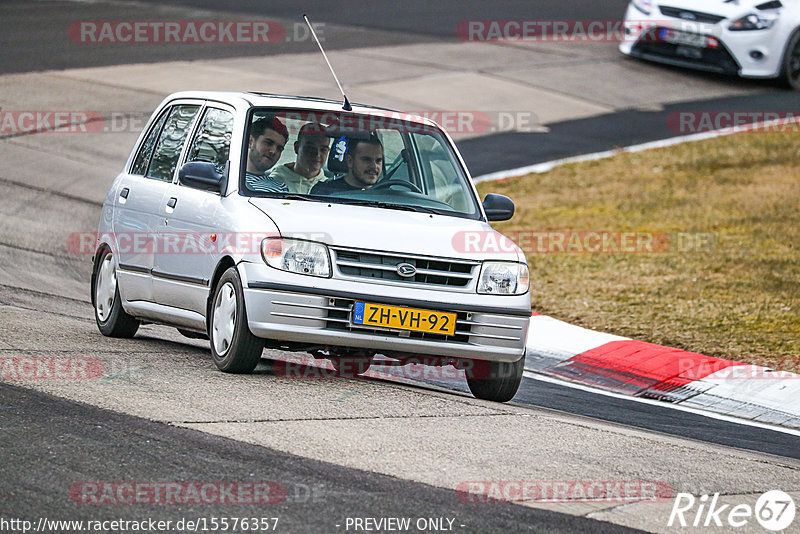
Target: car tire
<point>495,381</point>
<point>112,320</point>
<point>351,366</point>
<point>790,71</point>
<point>234,348</point>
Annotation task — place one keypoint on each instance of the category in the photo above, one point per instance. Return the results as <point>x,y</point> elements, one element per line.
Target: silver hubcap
<point>106,288</point>
<point>224,318</point>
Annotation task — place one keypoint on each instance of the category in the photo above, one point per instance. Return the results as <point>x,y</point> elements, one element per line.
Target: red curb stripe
<point>639,368</point>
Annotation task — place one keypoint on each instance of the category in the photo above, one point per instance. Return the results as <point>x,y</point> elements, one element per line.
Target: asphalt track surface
<point>74,441</point>
<point>662,419</point>
<point>79,442</point>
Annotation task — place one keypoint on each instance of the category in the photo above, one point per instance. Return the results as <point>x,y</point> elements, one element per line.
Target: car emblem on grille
<point>685,15</point>
<point>406,270</point>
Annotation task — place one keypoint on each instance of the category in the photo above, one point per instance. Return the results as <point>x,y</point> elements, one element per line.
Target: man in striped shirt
<point>268,136</point>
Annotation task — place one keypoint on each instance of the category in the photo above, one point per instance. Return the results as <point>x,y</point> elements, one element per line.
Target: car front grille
<point>690,15</point>
<point>336,314</point>
<point>383,266</point>
<point>339,319</point>
<point>718,60</point>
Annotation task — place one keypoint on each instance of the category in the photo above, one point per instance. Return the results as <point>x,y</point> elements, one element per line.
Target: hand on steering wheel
<point>398,181</point>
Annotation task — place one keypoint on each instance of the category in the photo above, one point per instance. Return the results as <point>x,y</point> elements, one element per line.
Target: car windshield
<point>382,159</point>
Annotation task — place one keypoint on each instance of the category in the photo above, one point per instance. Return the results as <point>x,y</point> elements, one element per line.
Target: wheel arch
<point>99,253</point>
<point>225,263</point>
<point>782,68</point>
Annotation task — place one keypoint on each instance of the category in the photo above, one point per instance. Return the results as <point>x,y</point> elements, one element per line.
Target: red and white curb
<point>639,369</point>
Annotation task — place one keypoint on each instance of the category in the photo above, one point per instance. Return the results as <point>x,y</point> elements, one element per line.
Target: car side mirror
<point>203,175</point>
<point>498,207</point>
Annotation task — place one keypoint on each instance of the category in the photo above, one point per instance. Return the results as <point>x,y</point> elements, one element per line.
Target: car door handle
<point>124,192</point>
<point>172,202</point>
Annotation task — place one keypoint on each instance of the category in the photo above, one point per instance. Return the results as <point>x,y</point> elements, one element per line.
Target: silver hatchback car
<point>368,238</point>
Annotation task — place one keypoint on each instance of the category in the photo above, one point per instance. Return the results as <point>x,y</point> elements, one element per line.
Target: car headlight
<point>645,6</point>
<point>503,278</point>
<point>296,256</point>
<point>753,22</point>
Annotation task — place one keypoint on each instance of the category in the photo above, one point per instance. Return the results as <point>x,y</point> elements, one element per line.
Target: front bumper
<point>717,60</point>
<point>732,56</point>
<point>322,317</point>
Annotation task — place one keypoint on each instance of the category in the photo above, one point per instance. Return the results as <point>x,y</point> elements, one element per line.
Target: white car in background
<point>749,38</point>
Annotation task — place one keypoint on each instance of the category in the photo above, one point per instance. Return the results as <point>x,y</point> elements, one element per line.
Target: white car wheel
<point>112,320</point>
<point>224,318</point>
<point>106,288</point>
<point>234,348</point>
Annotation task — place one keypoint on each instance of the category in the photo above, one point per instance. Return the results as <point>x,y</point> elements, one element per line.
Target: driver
<point>364,159</point>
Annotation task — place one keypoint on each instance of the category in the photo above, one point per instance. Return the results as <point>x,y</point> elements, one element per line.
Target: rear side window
<point>171,141</point>
<point>146,150</point>
<point>213,140</point>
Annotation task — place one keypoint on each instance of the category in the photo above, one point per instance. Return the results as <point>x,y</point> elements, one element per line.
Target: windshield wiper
<point>386,205</point>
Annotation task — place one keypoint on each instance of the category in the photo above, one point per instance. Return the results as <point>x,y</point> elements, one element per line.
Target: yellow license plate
<point>413,319</point>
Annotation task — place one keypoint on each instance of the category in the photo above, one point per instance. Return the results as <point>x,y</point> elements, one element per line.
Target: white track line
<point>549,165</point>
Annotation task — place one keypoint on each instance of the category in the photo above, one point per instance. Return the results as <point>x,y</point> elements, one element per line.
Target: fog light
<point>757,55</point>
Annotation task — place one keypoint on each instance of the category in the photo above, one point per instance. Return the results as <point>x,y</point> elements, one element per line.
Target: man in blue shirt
<point>268,136</point>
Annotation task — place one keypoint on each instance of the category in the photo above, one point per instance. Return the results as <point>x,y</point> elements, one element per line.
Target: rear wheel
<point>234,348</point>
<point>791,62</point>
<point>495,381</point>
<point>112,320</point>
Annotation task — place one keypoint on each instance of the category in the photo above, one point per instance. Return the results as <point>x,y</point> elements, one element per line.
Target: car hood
<point>716,7</point>
<point>388,230</point>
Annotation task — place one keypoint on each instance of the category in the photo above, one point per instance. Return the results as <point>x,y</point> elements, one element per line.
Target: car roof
<point>258,99</point>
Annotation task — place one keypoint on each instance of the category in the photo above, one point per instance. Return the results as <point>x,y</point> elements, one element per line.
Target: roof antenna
<point>346,106</point>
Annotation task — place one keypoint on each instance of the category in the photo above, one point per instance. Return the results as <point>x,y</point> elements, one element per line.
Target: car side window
<point>213,140</point>
<point>146,150</point>
<point>444,181</point>
<point>171,141</point>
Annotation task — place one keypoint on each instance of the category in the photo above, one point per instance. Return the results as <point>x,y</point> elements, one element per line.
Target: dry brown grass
<point>737,297</point>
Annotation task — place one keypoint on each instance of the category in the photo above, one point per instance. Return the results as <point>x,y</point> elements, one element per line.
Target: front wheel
<point>112,320</point>
<point>495,381</point>
<point>234,348</point>
<point>791,62</point>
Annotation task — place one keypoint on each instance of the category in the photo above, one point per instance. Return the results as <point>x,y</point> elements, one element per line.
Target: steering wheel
<point>398,181</point>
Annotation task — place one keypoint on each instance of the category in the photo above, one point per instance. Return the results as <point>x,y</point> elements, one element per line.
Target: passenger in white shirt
<point>312,148</point>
